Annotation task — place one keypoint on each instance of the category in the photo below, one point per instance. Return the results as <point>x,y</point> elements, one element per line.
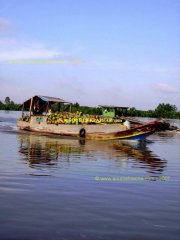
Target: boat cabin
<point>39,105</point>
<point>113,111</point>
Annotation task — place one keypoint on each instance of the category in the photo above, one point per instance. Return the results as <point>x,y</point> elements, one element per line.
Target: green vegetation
<point>167,110</point>
<point>77,108</point>
<point>164,110</point>
<point>9,105</point>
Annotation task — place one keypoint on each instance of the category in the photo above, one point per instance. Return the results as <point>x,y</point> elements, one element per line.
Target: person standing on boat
<point>49,111</point>
<point>36,109</point>
<point>127,124</point>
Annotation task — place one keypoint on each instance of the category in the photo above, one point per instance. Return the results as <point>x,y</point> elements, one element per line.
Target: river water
<point>61,188</point>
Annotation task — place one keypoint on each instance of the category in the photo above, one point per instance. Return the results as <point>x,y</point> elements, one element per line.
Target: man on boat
<point>127,124</point>
<point>36,109</point>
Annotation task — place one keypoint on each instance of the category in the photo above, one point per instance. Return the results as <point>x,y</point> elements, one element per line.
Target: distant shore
<point>163,110</point>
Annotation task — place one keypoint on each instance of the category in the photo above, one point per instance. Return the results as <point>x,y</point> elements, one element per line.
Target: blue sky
<point>122,52</point>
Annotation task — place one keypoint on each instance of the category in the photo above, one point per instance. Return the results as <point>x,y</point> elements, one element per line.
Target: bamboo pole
<point>30,109</point>
<point>47,108</point>
<point>59,106</point>
<point>70,108</point>
<point>22,115</point>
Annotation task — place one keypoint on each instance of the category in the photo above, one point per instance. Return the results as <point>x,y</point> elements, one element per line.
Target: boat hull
<point>89,131</point>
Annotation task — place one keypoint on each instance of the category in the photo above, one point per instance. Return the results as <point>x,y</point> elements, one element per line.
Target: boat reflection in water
<point>41,150</point>
<point>142,156</point>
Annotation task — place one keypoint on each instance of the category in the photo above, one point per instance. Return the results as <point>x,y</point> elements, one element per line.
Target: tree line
<point>164,110</point>
<point>9,105</point>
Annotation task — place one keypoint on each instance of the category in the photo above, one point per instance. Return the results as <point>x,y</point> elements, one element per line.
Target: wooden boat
<point>37,121</point>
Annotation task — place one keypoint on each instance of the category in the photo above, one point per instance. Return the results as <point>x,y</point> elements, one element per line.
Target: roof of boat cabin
<point>112,106</point>
<point>52,99</point>
<point>47,99</point>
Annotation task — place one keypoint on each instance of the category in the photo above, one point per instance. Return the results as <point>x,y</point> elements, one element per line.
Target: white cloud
<point>6,42</point>
<point>165,88</point>
<point>6,26</point>
<point>28,53</point>
<point>14,49</point>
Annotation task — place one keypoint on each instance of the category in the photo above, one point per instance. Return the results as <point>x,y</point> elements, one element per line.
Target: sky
<point>115,52</point>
